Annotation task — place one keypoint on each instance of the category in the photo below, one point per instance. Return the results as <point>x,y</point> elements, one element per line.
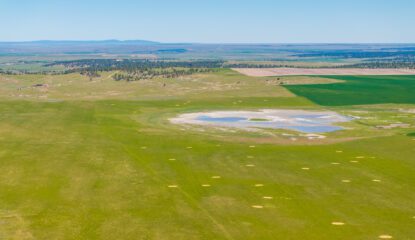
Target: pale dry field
<point>265,72</point>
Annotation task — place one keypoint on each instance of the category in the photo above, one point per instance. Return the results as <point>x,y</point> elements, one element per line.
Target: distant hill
<point>68,42</point>
<point>76,47</point>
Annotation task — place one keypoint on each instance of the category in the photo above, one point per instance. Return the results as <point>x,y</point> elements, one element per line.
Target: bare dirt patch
<point>266,72</point>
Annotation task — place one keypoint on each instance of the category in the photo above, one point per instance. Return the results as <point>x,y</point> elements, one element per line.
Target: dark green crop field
<point>360,90</point>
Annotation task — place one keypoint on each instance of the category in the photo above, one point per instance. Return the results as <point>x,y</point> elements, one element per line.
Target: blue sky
<point>210,21</point>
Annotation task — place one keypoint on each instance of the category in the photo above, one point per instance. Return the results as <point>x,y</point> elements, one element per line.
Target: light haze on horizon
<point>210,21</point>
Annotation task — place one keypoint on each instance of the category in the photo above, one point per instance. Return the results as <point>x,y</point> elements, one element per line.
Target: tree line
<point>133,64</point>
<point>375,65</point>
<point>150,73</point>
<point>137,69</point>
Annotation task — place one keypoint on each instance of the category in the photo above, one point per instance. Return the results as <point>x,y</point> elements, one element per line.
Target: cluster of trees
<point>383,64</point>
<point>137,69</point>
<point>5,72</point>
<point>257,65</point>
<point>406,62</point>
<point>150,73</point>
<point>253,65</point>
<point>99,65</point>
<point>23,72</point>
<point>90,73</point>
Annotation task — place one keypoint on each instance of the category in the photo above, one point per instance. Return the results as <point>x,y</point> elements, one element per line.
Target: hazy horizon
<point>207,43</point>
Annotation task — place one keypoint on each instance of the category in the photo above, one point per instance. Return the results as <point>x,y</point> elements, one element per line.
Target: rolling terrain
<point>99,159</point>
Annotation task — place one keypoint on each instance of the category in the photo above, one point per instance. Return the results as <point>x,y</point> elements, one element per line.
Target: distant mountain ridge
<point>79,47</point>
<point>109,41</point>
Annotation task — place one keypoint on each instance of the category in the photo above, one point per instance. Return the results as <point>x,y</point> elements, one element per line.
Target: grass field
<point>100,160</point>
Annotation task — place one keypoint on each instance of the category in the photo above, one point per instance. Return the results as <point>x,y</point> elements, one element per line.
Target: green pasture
<point>100,160</point>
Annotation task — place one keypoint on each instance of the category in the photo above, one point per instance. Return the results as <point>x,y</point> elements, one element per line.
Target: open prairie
<point>207,120</point>
<point>99,159</point>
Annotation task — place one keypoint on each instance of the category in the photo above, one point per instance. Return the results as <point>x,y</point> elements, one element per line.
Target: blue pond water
<point>315,129</point>
<point>308,123</point>
<point>221,119</point>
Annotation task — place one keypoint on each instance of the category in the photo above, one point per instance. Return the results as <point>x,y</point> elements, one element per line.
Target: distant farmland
<point>358,90</point>
<point>264,72</point>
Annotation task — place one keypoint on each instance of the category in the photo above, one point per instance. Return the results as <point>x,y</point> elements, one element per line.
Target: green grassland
<point>84,159</point>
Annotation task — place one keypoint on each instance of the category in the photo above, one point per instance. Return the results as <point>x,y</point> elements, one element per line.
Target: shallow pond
<point>297,120</point>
